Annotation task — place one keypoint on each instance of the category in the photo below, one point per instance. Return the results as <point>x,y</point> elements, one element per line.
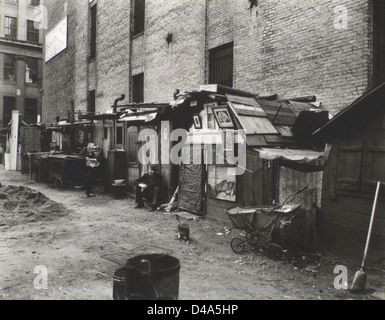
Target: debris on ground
<point>19,205</point>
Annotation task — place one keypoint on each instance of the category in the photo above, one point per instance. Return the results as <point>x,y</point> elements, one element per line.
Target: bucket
<point>152,277</point>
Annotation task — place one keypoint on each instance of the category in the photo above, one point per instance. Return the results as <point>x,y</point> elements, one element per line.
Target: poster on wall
<point>222,183</point>
<point>56,40</point>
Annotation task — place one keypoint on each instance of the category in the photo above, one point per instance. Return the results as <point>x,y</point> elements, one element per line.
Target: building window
<point>93,32</point>
<point>10,27</point>
<point>9,68</point>
<point>9,105</point>
<point>33,3</point>
<point>31,67</point>
<point>221,64</point>
<point>139,6</point>
<point>91,101</point>
<point>32,32</point>
<point>119,135</point>
<point>138,88</point>
<point>30,111</point>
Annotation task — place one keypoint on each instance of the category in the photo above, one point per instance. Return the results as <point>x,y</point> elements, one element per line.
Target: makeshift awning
<point>147,117</point>
<point>299,156</point>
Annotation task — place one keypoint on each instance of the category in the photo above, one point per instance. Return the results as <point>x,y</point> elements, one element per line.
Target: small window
<point>31,73</point>
<point>105,133</point>
<point>221,65</point>
<point>138,88</point>
<point>9,68</point>
<point>93,32</point>
<point>33,3</point>
<point>139,9</point>
<point>32,32</point>
<point>30,111</point>
<point>9,105</point>
<point>119,135</point>
<point>91,102</point>
<point>10,27</point>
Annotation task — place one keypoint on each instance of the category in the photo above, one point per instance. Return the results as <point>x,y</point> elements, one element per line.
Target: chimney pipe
<point>122,97</point>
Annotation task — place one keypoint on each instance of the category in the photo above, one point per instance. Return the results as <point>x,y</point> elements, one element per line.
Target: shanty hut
<point>356,163</point>
<point>271,135</point>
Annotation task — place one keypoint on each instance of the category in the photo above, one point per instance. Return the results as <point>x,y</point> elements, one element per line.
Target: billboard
<point>56,40</point>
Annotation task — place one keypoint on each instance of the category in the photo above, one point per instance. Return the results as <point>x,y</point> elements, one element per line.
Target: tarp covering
<point>300,156</point>
<point>191,182</point>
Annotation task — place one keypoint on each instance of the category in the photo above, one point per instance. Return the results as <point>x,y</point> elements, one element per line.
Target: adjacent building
<point>147,50</point>
<point>20,60</point>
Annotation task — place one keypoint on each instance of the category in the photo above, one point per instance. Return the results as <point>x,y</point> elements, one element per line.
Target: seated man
<point>149,187</point>
<point>96,168</point>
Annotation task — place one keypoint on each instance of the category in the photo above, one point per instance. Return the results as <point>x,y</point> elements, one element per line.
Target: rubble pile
<point>20,205</point>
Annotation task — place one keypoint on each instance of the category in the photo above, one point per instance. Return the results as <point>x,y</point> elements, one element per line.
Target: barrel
<point>152,277</point>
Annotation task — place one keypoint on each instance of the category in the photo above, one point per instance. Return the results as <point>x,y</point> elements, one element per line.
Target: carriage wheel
<point>238,245</point>
<point>252,238</point>
<point>275,252</point>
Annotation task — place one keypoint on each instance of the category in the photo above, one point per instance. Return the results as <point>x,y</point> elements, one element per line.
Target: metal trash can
<point>152,277</point>
<point>148,277</point>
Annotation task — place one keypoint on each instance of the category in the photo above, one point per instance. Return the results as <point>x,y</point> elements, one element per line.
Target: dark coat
<point>152,181</point>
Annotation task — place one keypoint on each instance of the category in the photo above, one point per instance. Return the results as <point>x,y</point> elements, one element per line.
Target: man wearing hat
<point>149,187</point>
<point>96,168</point>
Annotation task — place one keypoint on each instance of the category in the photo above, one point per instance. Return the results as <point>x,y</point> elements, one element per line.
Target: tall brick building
<point>20,61</point>
<point>146,49</point>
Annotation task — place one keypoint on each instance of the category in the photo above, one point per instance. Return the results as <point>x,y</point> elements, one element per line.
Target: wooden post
<point>14,139</point>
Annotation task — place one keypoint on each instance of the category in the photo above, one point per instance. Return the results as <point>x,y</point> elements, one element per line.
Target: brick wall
<point>182,63</point>
<point>291,47</point>
<point>70,75</point>
<point>64,76</point>
<point>112,62</point>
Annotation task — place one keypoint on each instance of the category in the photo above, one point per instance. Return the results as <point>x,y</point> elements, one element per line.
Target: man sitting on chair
<point>149,187</point>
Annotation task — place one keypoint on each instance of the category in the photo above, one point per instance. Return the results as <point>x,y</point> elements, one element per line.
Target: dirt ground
<point>81,241</point>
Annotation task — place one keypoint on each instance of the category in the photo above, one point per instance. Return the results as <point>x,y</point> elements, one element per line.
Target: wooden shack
<point>356,162</point>
<point>267,128</point>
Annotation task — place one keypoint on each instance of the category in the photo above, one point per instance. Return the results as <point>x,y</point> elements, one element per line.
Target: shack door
<point>30,139</point>
<point>30,142</point>
<point>191,180</point>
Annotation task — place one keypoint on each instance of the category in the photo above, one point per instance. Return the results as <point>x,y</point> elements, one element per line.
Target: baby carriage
<point>268,223</point>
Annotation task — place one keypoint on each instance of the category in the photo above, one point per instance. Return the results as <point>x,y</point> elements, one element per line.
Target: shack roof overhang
<point>295,155</point>
<point>61,126</point>
<point>142,113</point>
<point>353,113</point>
<point>266,121</point>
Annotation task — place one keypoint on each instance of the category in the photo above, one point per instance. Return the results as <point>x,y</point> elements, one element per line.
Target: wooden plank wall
<point>290,182</point>
<point>344,220</point>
